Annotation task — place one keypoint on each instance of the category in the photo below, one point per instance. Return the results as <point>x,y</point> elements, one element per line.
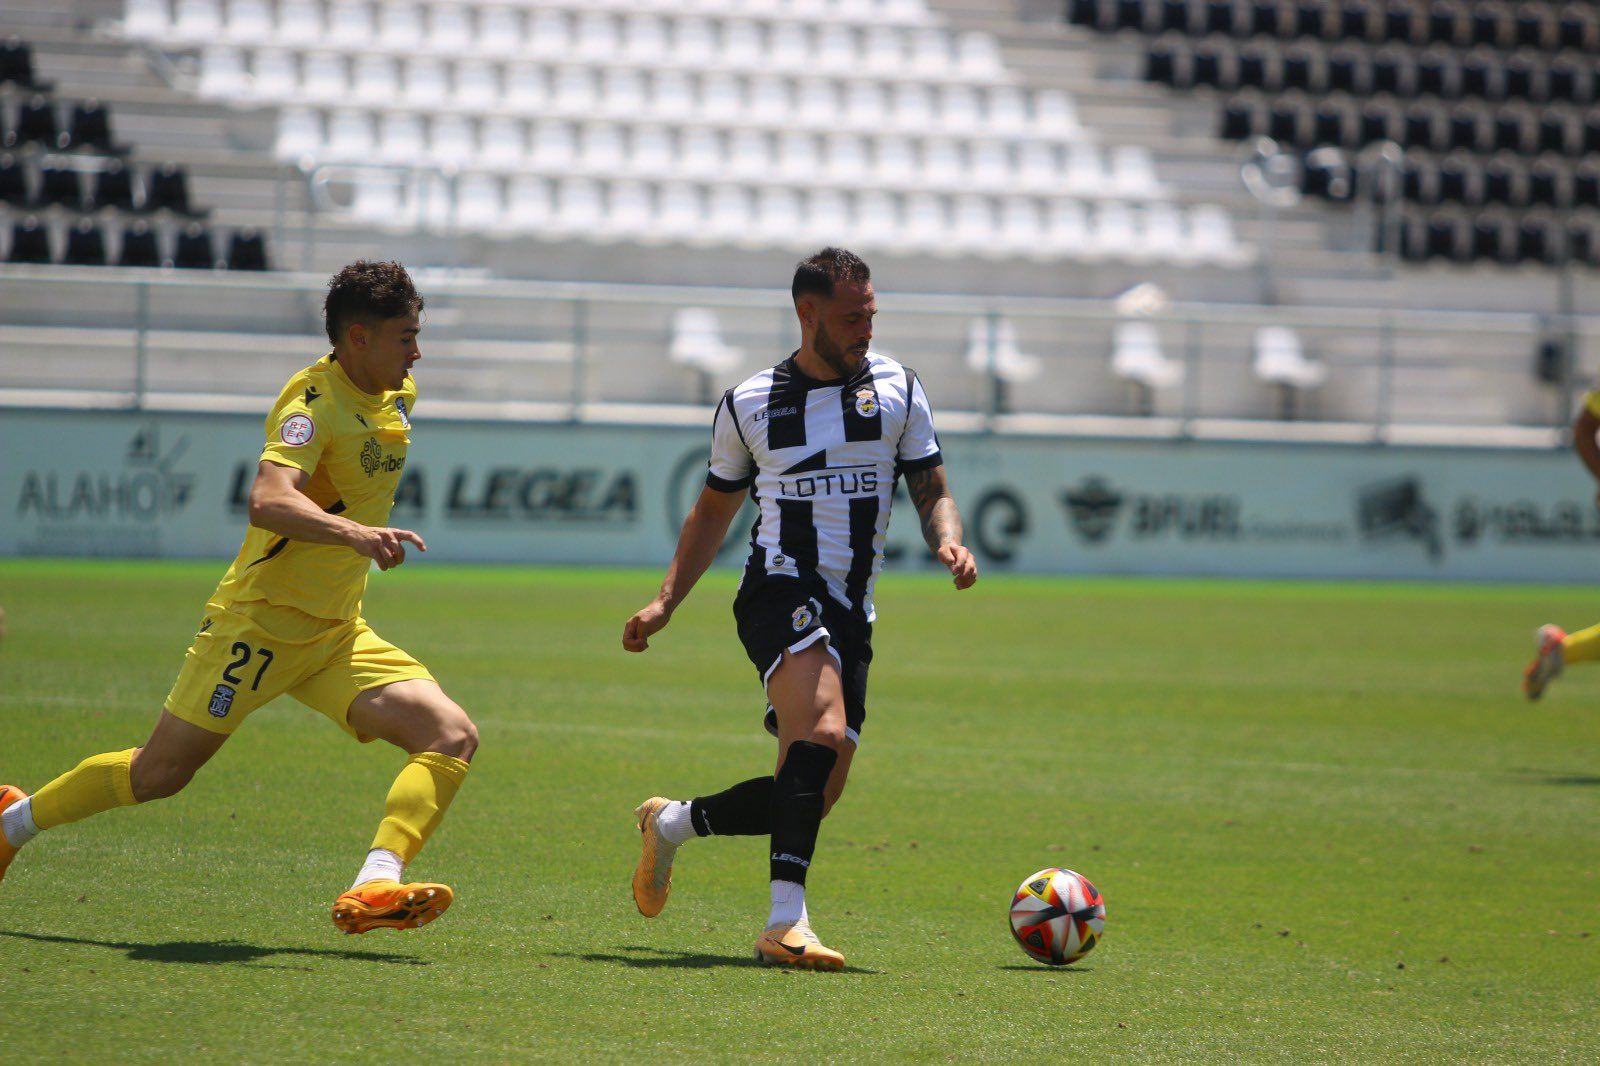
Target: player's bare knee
<point>459,737</point>
<point>829,733</point>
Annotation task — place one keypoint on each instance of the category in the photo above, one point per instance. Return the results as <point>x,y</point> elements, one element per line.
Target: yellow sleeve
<point>1592,402</point>
<point>294,437</point>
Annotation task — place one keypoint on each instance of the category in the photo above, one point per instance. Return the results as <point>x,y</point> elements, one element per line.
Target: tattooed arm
<point>941,523</point>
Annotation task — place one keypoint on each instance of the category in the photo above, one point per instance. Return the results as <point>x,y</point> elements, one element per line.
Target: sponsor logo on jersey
<point>297,430</point>
<point>400,406</point>
<point>774,412</point>
<point>836,481</point>
<point>866,403</point>
<point>221,701</point>
<point>374,459</point>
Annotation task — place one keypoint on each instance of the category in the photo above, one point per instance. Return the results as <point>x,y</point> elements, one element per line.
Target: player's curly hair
<point>366,291</point>
<point>818,274</point>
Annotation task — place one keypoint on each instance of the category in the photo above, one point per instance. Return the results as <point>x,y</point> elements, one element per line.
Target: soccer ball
<point>1057,916</point>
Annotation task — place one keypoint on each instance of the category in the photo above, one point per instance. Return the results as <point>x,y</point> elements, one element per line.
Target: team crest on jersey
<point>297,430</point>
<point>221,701</point>
<point>400,405</point>
<point>866,403</point>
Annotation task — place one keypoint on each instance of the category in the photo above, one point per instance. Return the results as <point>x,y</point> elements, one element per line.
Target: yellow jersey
<point>353,444</point>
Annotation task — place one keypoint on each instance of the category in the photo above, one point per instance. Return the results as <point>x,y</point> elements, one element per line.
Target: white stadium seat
<point>942,165</point>
<point>400,25</point>
<point>147,20</point>
<point>1136,356</point>
<point>477,85</point>
<point>375,79</point>
<point>827,217</point>
<point>728,217</point>
<point>602,150</point>
<point>324,77</point>
<point>196,21</point>
<point>299,134</point>
<point>503,142</point>
<point>992,348</point>
<point>350,22</point>
<point>480,203</point>
<point>693,42</point>
<point>797,156</point>
<point>274,74</point>
<point>958,109</point>
<point>845,158</point>
<point>451,140</point>
<point>721,98</point>
<point>1066,231</point>
<point>580,208</point>
<point>400,137</point>
<point>978,56</point>
<point>697,342</point>
<point>629,214</point>
<point>973,228</point>
<point>526,87</point>
<point>528,205</point>
<point>249,21</point>
<point>574,91</point>
<point>300,23</point>
<point>549,34</point>
<point>651,152</point>
<point>350,137</point>
<point>673,97</point>
<point>222,73</point>
<point>699,152</point>
<point>778,216</point>
<point>1280,359</point>
<point>499,32</point>
<point>925,222</point>
<point>679,217</point>
<point>553,148</point>
<point>1213,239</point>
<point>749,154</point>
<point>427,82</point>
<point>894,162</point>
<point>912,109</point>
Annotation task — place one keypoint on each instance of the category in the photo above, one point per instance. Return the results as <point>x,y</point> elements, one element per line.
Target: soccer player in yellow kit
<point>287,616</point>
<point>1555,647</point>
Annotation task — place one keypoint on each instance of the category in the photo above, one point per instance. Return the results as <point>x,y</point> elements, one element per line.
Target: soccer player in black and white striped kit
<point>818,441</point>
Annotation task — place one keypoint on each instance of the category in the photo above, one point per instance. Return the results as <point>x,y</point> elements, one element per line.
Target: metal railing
<point>538,350</point>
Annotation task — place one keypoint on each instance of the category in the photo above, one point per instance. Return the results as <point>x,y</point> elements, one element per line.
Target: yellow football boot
<point>9,794</point>
<point>794,944</point>
<point>652,878</point>
<point>390,905</point>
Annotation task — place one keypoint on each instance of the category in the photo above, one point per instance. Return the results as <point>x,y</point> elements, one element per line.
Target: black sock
<point>745,810</point>
<point>797,808</point>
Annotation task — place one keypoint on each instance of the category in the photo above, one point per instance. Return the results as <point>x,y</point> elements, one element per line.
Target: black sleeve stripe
<point>727,401</point>
<point>927,462</point>
<point>722,484</point>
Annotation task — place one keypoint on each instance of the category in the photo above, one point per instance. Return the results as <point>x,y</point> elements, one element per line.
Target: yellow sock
<point>1582,646</point>
<point>417,801</point>
<point>97,784</point>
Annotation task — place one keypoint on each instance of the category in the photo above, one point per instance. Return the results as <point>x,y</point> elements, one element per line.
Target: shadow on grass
<point>648,958</point>
<point>1041,968</point>
<point>212,952</point>
<point>1545,777</point>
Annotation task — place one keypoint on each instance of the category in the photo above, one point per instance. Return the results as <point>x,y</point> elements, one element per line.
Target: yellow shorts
<point>248,654</point>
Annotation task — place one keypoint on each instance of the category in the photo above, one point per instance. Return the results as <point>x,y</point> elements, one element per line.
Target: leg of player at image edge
<point>1554,650</point>
<point>96,784</point>
<point>381,898</point>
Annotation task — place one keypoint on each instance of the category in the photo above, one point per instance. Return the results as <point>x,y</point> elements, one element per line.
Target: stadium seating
<point>1492,102</point>
<point>653,122</point>
<point>72,182</point>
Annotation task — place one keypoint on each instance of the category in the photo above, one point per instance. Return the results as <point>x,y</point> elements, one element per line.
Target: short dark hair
<point>366,291</point>
<point>818,274</point>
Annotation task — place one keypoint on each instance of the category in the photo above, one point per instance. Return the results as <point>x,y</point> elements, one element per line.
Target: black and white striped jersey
<point>821,460</point>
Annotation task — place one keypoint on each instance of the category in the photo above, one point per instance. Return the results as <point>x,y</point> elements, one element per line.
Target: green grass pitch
<point>1325,823</point>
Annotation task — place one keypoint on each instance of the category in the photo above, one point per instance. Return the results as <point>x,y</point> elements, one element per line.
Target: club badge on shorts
<point>805,614</point>
<point>866,403</point>
<point>221,701</point>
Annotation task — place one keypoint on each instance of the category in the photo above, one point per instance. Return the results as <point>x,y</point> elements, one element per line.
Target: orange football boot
<point>9,794</point>
<point>390,905</point>
<point>652,878</point>
<point>1547,661</point>
<point>796,945</point>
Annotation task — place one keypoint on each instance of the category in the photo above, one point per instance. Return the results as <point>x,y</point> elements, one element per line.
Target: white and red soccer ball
<point>1057,916</point>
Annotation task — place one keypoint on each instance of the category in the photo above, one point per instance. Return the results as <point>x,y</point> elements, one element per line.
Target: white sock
<point>788,903</point>
<point>674,825</point>
<point>17,822</point>
<point>381,865</point>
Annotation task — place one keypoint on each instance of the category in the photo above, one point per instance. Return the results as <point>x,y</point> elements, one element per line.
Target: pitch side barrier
<point>172,484</point>
<point>532,351</point>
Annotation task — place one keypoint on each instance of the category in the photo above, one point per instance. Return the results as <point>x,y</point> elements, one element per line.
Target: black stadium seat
<point>36,124</point>
<point>139,246</point>
<point>113,188</point>
<point>13,181</point>
<point>90,127</point>
<point>168,190</point>
<point>30,242</point>
<point>247,250</point>
<point>194,250</point>
<point>86,245</point>
<point>16,64</point>
<point>58,186</point>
